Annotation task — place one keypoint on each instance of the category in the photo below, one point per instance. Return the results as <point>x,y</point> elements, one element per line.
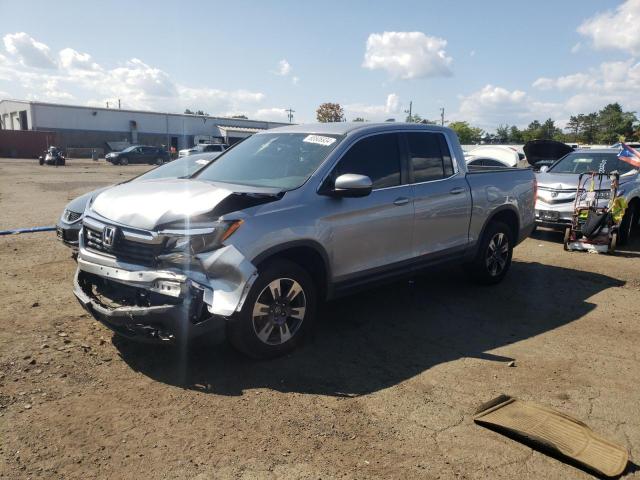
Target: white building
<point>92,127</point>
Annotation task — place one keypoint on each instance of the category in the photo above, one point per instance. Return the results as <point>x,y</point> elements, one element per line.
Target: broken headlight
<point>198,239</point>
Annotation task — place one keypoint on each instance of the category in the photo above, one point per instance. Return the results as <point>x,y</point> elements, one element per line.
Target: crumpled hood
<point>152,203</point>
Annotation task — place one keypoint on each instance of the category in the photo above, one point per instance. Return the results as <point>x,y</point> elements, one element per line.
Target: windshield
<point>128,149</point>
<point>181,168</point>
<point>582,162</point>
<point>279,160</point>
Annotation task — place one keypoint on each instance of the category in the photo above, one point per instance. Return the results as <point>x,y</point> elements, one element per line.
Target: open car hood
<point>550,150</point>
<point>150,204</point>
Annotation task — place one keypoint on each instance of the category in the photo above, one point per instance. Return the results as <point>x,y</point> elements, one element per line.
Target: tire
<point>261,335</point>
<point>124,161</point>
<point>629,221</point>
<point>567,237</point>
<point>41,161</point>
<point>493,259</point>
<point>159,161</point>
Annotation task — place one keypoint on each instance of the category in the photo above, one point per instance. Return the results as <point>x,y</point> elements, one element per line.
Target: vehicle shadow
<point>376,339</point>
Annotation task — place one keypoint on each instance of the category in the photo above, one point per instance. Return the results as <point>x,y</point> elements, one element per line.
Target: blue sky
<point>487,62</point>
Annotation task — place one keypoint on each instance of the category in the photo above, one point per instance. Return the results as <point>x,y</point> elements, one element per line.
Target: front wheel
<point>124,161</point>
<point>159,161</point>
<point>277,313</point>
<point>493,259</point>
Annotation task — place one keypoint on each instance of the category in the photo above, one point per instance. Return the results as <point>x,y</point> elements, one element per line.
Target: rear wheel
<point>124,161</point>
<point>494,255</point>
<point>628,223</point>
<point>159,161</point>
<point>277,314</point>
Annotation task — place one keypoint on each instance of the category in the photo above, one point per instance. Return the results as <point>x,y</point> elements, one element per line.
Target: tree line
<point>606,126</point>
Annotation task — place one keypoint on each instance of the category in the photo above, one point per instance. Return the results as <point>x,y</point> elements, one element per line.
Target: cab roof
<point>344,128</point>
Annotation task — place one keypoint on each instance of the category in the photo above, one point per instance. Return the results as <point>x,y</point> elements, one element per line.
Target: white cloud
<point>577,80</point>
<point>295,80</point>
<point>284,68</point>
<point>391,107</point>
<point>407,55</point>
<point>275,114</point>
<point>493,105</point>
<point>617,81</point>
<point>618,29</point>
<point>28,51</point>
<point>73,60</point>
<point>76,77</point>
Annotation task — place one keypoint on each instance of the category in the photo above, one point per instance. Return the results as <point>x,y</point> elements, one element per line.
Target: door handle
<point>401,201</point>
<point>456,191</point>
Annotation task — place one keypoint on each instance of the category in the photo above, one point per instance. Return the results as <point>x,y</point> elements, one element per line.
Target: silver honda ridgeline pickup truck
<point>286,219</point>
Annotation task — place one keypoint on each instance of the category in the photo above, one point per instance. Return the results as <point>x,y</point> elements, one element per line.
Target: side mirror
<point>544,168</point>
<point>352,185</point>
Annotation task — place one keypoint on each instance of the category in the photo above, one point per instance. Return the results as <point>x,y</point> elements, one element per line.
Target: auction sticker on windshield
<point>319,139</point>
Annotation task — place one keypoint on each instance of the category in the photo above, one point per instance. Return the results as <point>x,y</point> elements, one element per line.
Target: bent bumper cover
<point>184,305</point>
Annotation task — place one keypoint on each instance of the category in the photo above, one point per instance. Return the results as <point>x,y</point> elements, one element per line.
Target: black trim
<point>349,283</point>
<point>316,246</point>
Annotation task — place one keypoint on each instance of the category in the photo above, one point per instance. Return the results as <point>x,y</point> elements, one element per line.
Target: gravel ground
<point>385,388</point>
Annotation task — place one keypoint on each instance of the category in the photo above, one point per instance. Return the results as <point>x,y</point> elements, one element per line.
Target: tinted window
<point>429,156</point>
<point>377,157</point>
<point>493,163</point>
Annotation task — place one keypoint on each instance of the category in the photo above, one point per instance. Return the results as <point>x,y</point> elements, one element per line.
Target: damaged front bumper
<point>163,305</point>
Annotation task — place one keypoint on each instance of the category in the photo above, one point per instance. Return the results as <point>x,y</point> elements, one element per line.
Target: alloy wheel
<point>279,311</point>
<point>497,254</point>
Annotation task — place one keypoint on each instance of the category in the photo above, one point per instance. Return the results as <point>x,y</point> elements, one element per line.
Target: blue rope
<point>15,231</point>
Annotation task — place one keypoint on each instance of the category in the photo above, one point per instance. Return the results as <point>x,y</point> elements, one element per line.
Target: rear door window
<point>377,157</point>
<point>429,156</point>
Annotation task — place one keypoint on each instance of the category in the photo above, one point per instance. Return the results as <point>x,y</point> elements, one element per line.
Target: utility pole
<point>442,116</point>
<point>118,104</point>
<point>409,111</point>
<point>290,113</point>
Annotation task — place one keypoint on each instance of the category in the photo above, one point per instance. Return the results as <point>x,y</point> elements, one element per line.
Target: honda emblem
<point>108,236</point>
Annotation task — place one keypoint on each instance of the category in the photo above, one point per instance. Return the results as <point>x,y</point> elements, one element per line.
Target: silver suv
<point>286,219</point>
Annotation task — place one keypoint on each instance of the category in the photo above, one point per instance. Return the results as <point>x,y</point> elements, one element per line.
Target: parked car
<point>203,147</point>
<point>288,218</point>
<point>541,153</point>
<point>505,155</point>
<point>139,154</point>
<point>52,156</point>
<point>558,183</point>
<point>70,222</point>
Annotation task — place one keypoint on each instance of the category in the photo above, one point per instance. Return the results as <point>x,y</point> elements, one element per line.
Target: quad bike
<point>52,156</point>
<point>597,214</point>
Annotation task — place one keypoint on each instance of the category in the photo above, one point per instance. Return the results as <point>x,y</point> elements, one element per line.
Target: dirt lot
<point>386,388</point>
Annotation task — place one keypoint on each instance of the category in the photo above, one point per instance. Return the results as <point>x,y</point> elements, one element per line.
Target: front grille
<point>123,249</point>
<point>70,216</point>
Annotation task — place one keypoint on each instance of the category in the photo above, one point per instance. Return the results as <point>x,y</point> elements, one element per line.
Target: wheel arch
<point>309,255</point>
<point>506,214</point>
